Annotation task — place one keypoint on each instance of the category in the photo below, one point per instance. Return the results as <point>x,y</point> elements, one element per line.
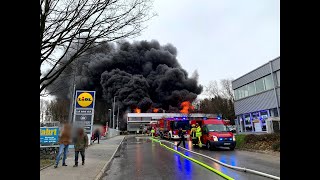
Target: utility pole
<point>114,106</point>
<point>118,118</point>
<point>72,102</point>
<point>109,124</point>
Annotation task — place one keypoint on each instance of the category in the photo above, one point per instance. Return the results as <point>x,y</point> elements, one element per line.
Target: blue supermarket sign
<point>85,99</point>
<point>49,134</point>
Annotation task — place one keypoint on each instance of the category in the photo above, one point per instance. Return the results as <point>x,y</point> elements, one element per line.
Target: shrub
<point>276,146</point>
<point>240,140</point>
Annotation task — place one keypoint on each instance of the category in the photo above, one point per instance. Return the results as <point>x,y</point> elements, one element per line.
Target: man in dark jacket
<point>80,145</point>
<point>181,135</point>
<point>96,135</point>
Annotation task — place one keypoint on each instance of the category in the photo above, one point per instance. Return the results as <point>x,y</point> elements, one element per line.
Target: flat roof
<point>161,115</point>
<point>256,68</point>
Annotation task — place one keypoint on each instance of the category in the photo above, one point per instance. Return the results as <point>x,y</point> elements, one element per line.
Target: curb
<point>272,153</point>
<point>46,166</point>
<point>98,177</point>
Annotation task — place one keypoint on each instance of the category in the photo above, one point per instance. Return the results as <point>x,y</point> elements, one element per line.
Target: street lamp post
<point>110,118</point>
<point>118,118</point>
<point>114,106</point>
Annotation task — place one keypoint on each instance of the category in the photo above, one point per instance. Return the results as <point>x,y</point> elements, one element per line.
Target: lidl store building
<point>257,97</point>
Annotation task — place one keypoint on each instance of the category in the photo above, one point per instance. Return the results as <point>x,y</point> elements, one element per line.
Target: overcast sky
<point>219,38</point>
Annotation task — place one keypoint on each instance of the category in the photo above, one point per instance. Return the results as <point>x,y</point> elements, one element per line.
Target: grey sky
<point>219,38</point>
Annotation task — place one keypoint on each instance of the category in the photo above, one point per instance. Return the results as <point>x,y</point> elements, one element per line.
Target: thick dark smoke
<point>141,74</point>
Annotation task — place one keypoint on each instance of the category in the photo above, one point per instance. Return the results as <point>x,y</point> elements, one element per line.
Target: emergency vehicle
<point>215,133</point>
<point>152,124</point>
<point>169,127</point>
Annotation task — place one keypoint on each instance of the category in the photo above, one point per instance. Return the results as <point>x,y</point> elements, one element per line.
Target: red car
<point>216,134</point>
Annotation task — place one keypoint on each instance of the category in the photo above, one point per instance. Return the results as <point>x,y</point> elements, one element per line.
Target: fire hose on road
<point>194,160</point>
<point>227,165</point>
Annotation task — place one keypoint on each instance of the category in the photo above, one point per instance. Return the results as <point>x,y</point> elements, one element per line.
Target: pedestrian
<point>96,135</point>
<point>198,134</point>
<point>64,141</point>
<point>152,132</point>
<point>193,134</point>
<point>182,139</point>
<point>80,146</point>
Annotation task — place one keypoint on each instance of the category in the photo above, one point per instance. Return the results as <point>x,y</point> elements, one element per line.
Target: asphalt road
<point>257,161</point>
<point>140,158</point>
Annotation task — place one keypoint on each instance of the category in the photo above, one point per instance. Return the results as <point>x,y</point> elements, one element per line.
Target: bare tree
<point>63,21</point>
<point>220,99</point>
<point>212,90</point>
<point>58,110</point>
<point>43,108</point>
<point>226,89</point>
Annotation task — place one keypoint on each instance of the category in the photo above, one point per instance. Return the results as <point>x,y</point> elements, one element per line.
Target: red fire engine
<point>169,127</point>
<point>154,125</point>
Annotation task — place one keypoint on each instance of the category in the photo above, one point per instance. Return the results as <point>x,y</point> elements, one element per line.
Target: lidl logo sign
<point>85,99</point>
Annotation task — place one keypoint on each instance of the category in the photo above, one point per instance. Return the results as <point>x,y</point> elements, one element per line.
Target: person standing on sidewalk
<point>182,139</point>
<point>64,141</point>
<point>80,146</point>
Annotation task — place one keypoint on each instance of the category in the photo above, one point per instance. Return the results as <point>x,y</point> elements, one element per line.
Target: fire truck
<point>152,124</point>
<point>169,127</point>
<point>215,134</point>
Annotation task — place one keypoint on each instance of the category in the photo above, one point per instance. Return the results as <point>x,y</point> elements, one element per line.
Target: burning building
<point>138,121</point>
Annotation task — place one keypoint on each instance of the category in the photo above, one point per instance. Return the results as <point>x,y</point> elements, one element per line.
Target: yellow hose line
<point>196,161</point>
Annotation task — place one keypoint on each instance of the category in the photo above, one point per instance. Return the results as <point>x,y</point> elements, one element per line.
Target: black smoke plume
<point>141,74</point>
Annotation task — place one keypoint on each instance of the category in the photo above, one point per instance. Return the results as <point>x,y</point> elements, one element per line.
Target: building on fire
<point>137,121</point>
<point>257,97</point>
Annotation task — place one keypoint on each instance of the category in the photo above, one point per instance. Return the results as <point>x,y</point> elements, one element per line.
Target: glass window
<point>251,89</point>
<point>240,93</point>
<point>246,92</point>
<point>236,94</point>
<point>247,120</point>
<point>268,82</point>
<point>278,77</point>
<point>260,85</point>
<point>217,128</point>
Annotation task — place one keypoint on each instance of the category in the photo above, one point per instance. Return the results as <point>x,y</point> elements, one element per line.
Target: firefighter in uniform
<point>199,134</point>
<point>193,134</point>
<point>152,132</point>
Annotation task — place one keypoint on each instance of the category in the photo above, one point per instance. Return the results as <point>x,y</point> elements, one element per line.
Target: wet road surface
<point>140,158</point>
<point>257,161</point>
<point>143,159</point>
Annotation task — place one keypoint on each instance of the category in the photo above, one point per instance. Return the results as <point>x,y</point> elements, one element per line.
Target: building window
<point>260,85</point>
<point>236,94</point>
<point>278,77</point>
<point>251,89</point>
<point>268,82</point>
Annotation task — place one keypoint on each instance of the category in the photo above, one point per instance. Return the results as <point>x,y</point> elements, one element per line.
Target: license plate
<point>226,144</point>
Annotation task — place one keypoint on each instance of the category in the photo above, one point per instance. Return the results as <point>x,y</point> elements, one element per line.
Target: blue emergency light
<point>219,118</point>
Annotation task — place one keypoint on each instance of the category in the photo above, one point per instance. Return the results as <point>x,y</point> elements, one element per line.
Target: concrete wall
<point>112,133</point>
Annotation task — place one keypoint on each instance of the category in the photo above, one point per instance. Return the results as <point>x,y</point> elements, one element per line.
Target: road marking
<point>196,161</point>
<point>243,169</point>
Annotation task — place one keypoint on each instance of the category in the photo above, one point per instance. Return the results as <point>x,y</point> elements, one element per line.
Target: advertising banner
<point>49,135</point>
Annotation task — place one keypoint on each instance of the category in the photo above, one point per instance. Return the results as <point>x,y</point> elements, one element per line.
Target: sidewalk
<point>97,155</point>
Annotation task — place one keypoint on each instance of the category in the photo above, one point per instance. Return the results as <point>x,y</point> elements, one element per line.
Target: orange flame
<point>137,110</point>
<point>155,110</point>
<point>186,106</point>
